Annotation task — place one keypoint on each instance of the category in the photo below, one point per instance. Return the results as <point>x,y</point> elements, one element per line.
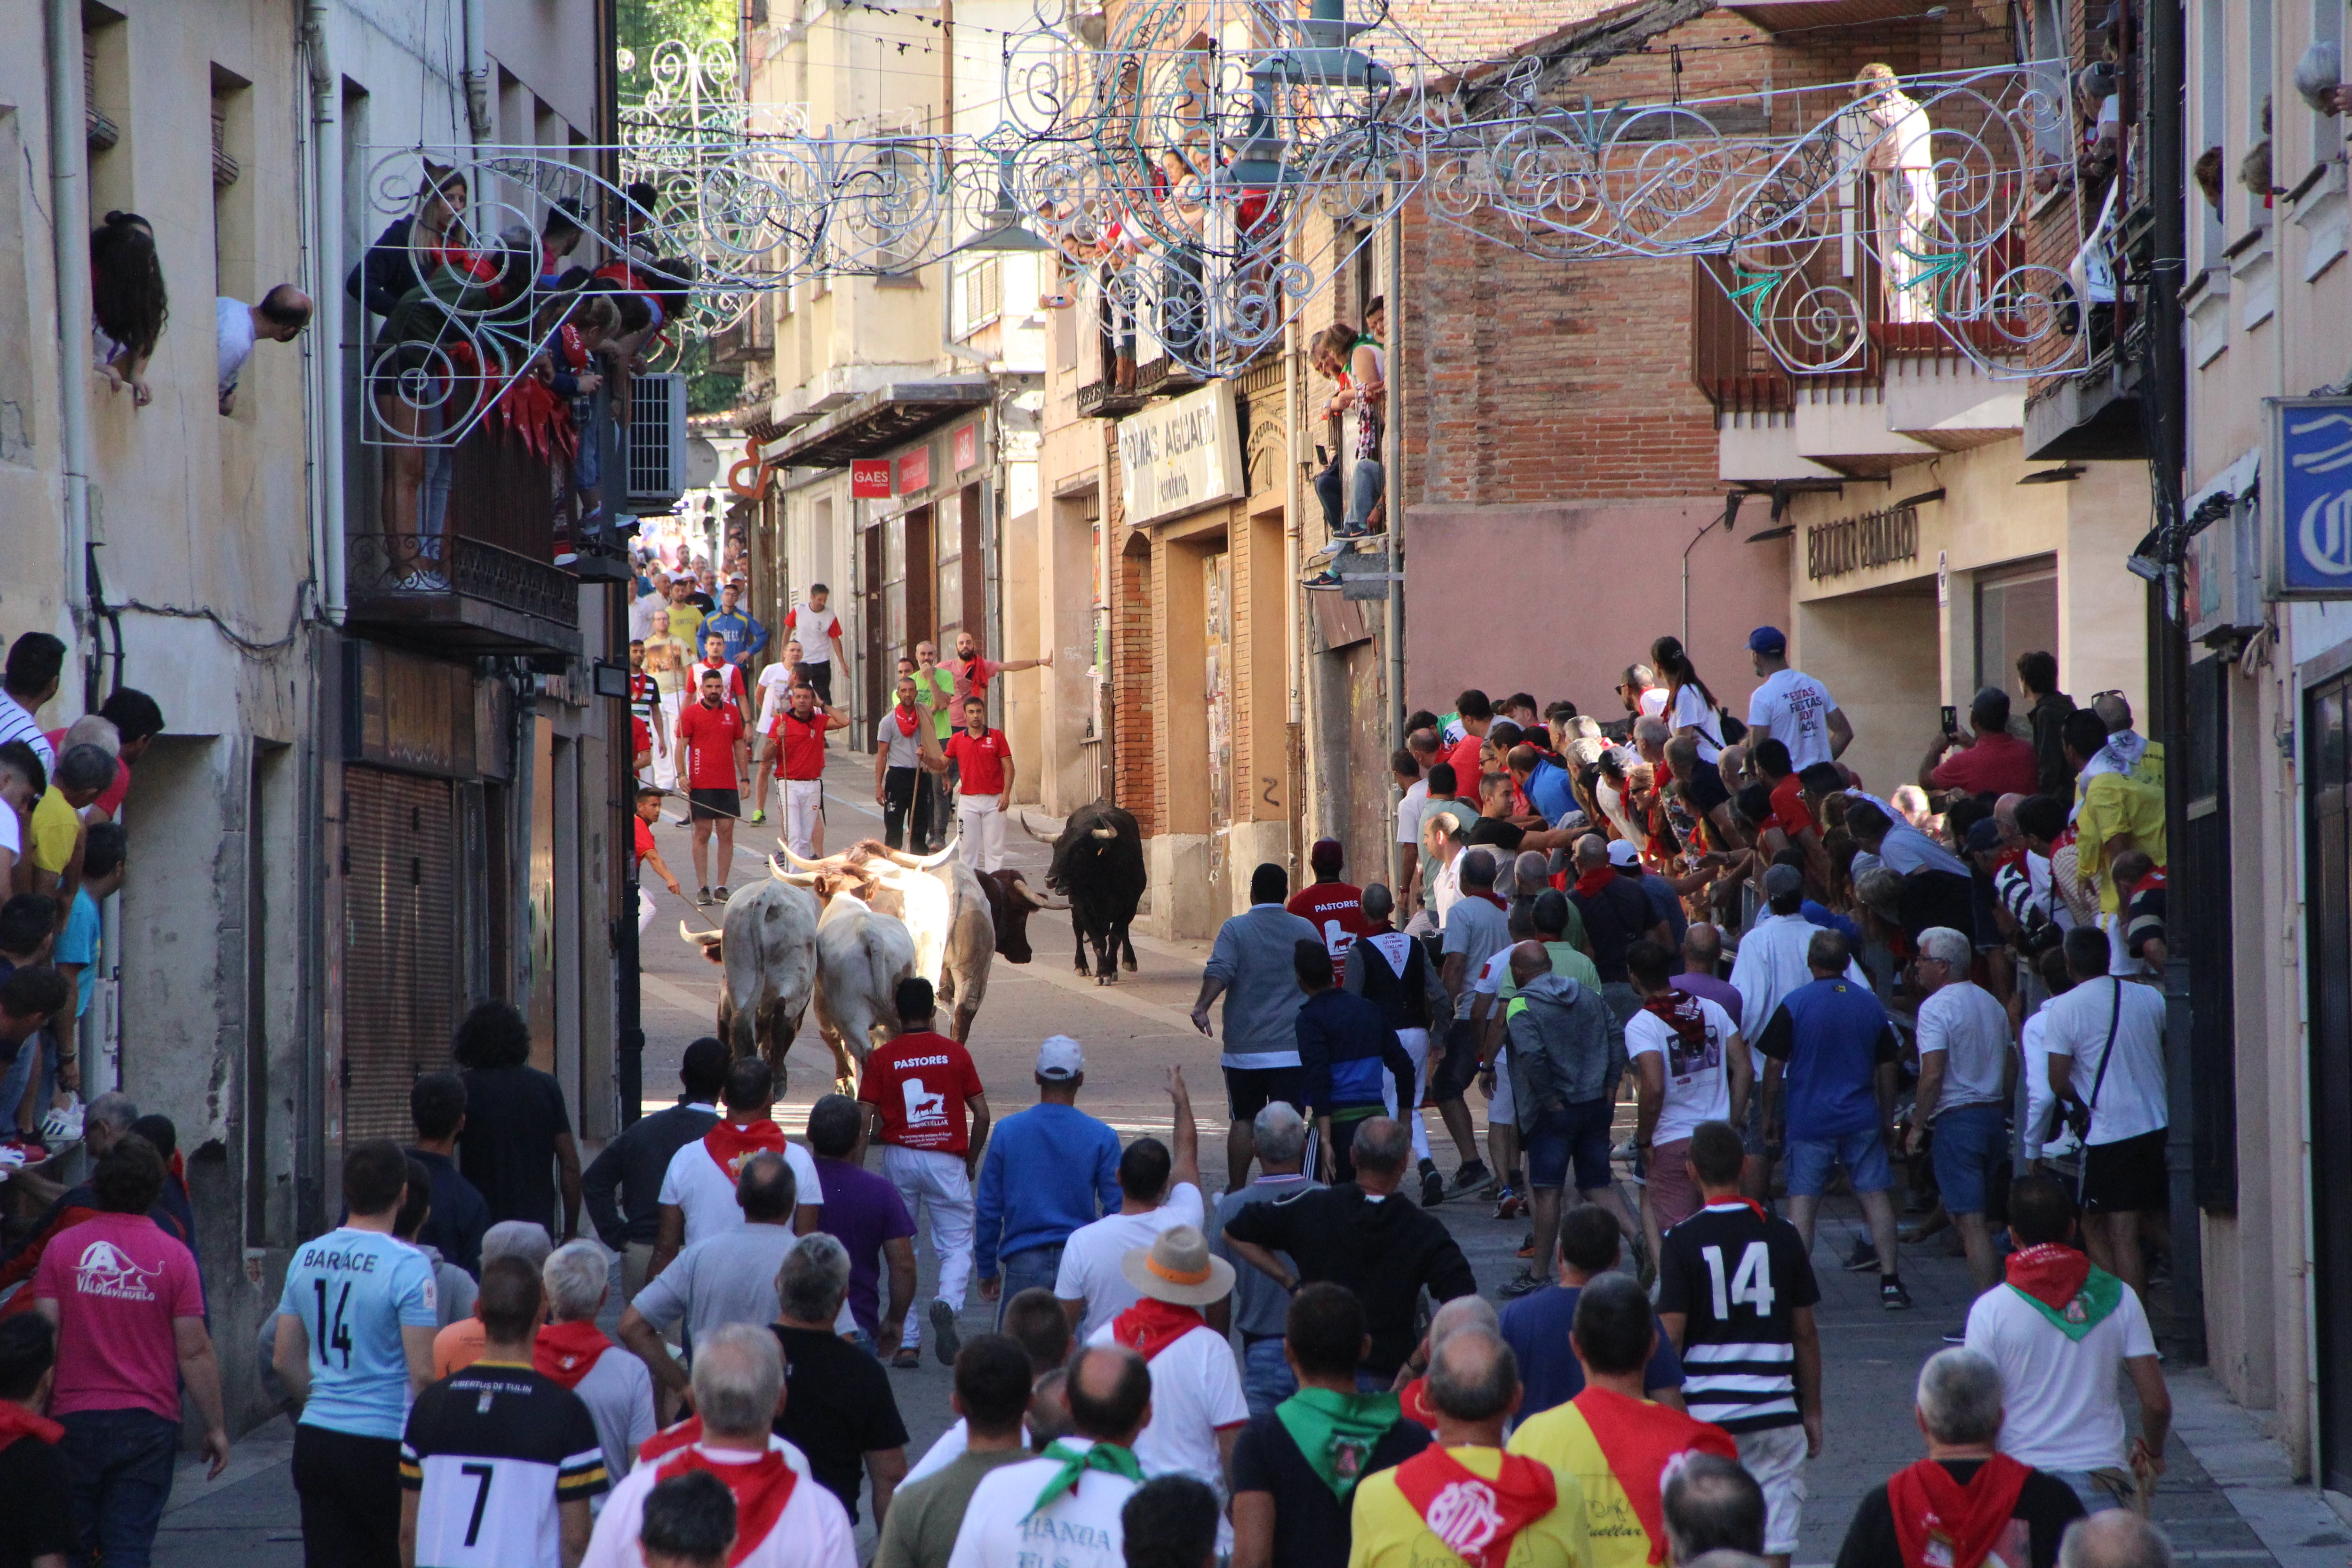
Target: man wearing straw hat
<point>1197,1407</point>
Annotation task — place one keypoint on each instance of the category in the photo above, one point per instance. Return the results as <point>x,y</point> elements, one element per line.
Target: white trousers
<point>664,728</point>
<point>1416,1045</point>
<point>929,1179</point>
<point>980,822</point>
<point>804,804</point>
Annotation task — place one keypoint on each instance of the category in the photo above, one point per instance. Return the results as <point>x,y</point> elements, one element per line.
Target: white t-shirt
<point>1691,712</point>
<point>1408,811</point>
<point>813,1531</point>
<point>233,337</point>
<point>642,611</point>
<point>1081,1529</point>
<point>2044,1136</point>
<point>696,1184</point>
<point>1796,710</point>
<point>1698,1087</point>
<point>2132,1099</point>
<point>774,680</point>
<point>1196,1392</point>
<point>1652,702</point>
<point>1090,1259</point>
<point>2058,1394</point>
<point>816,629</point>
<point>1971,1028</point>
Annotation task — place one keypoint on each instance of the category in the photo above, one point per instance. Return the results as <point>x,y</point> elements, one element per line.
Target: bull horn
<point>1038,900</point>
<point>702,939</point>
<point>830,863</point>
<point>1102,832</point>
<point>1029,825</point>
<point>795,879</point>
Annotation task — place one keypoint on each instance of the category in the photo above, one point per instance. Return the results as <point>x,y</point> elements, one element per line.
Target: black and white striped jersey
<point>1737,1279</point>
<point>492,1451</point>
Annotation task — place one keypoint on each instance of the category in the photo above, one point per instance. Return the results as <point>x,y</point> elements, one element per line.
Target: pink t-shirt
<point>119,1281</point>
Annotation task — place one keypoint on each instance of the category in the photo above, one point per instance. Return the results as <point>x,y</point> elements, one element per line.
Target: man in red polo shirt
<point>710,757</point>
<point>799,735</point>
<point>1332,907</point>
<point>919,1092</point>
<point>984,777</point>
<point>1993,762</point>
<point>648,812</point>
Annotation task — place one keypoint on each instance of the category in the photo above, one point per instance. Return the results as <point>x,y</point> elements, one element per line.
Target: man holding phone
<point>1991,762</point>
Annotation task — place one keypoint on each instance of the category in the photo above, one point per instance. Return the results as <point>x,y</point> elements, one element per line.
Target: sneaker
<point>702,897</point>
<point>1957,1336</point>
<point>1518,1285</point>
<point>757,817</point>
<point>63,1124</point>
<point>909,1358</point>
<point>1527,1247</point>
<point>1863,1258</point>
<point>945,1340</point>
<point>1891,1294</point>
<point>718,894</point>
<point>1323,581</point>
<point>1467,1179</point>
<point>1509,1204</point>
<point>1432,1189</point>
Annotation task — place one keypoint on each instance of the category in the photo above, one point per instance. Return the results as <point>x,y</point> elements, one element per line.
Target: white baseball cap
<point>1061,1057</point>
<point>1622,853</point>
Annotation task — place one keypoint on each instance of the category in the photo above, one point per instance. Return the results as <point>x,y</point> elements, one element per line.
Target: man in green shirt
<point>992,1394</point>
<point>934,691</point>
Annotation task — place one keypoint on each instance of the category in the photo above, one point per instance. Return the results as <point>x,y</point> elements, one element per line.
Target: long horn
<point>1024,817</point>
<point>699,939</point>
<point>1038,900</point>
<point>796,878</point>
<point>830,863</point>
<point>931,862</point>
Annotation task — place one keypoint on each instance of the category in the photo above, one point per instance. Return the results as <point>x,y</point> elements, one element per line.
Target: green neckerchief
<point>2101,1293</point>
<point>1075,1462</point>
<point>1335,1432</point>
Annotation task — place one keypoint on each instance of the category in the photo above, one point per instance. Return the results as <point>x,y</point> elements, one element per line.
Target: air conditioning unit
<point>656,443</point>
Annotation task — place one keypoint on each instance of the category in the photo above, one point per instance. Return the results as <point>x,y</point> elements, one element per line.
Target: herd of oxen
<point>841,933</point>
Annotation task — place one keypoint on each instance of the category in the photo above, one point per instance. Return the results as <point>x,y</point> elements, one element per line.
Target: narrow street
<point>2219,1501</point>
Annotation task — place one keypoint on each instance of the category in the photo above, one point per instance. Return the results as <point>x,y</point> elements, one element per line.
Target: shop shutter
<point>399,968</point>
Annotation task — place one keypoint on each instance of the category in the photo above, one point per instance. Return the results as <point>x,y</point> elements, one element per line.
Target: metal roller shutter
<point>400,981</point>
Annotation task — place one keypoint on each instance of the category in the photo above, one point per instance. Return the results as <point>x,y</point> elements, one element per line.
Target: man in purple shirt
<point>1702,956</point>
<point>866,1215</point>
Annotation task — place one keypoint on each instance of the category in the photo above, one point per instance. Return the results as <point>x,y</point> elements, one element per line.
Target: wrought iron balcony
<point>462,595</point>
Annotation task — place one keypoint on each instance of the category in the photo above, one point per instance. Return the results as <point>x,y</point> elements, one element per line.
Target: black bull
<point>1098,867</point>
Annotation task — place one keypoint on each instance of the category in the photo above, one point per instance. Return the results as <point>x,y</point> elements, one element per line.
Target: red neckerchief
<point>1640,1440</point>
<point>2052,1273</point>
<point>15,1422</point>
<point>761,1488</point>
<point>730,1144</point>
<point>1748,1203</point>
<point>1961,1524</point>
<point>1414,1400</point>
<point>568,1352</point>
<point>2153,880</point>
<point>1151,1326</point>
<point>1485,893</point>
<point>906,717</point>
<point>1477,1519</point>
<point>1590,884</point>
<point>670,1439</point>
<point>1679,1012</point>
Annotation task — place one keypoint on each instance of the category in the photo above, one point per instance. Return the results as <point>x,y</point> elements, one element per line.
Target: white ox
<point>766,944</point>
<point>861,956</point>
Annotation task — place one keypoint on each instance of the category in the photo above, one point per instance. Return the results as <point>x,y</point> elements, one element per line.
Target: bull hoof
<point>1128,964</point>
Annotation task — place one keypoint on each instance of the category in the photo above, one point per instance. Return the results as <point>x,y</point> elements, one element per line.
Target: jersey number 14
<point>1751,1282</point>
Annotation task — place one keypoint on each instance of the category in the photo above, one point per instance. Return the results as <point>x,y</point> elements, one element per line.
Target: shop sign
<point>1180,454</point>
<point>965,446</point>
<point>2307,522</point>
<point>869,477</point>
<point>915,471</point>
<point>1861,543</point>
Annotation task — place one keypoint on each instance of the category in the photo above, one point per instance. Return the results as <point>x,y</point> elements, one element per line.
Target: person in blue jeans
<point>1049,1170</point>
<point>1830,1052</point>
<point>1261,1306</point>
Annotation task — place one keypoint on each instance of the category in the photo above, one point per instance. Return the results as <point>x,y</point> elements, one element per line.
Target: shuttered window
<point>400,982</point>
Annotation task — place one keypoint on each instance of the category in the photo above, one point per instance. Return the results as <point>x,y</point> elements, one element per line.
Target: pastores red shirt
<point>710,735</point>
<point>803,743</point>
<point>1466,771</point>
<point>1789,806</point>
<point>918,1084</point>
<point>980,762</point>
<point>1336,910</point>
<point>1996,764</point>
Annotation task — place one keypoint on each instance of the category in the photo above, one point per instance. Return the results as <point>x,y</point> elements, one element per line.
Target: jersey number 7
<point>1751,1282</point>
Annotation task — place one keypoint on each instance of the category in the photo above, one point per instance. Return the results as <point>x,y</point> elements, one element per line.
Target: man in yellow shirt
<point>1462,1502</point>
<point>82,775</point>
<point>1609,1442</point>
<point>2118,799</point>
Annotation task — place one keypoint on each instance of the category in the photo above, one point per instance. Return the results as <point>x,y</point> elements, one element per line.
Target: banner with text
<point>1180,454</point>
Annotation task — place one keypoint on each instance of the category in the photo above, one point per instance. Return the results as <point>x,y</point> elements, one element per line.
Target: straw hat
<point>1178,1267</point>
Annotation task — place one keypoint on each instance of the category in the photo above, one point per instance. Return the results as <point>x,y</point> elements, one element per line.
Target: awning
<point>1787,16</point>
<point>886,418</point>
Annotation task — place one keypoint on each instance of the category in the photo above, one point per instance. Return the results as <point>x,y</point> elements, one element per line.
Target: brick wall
<point>1132,766</point>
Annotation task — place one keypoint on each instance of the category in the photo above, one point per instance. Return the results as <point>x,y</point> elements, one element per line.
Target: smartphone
<point>1951,720</point>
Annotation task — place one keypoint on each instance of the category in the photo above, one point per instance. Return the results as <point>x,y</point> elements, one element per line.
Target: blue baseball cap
<point>1767,639</point>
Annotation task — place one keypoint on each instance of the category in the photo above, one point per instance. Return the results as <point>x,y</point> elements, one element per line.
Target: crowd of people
<point>1692,968</point>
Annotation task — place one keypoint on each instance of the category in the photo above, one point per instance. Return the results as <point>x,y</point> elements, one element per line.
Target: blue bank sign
<point>2306,505</point>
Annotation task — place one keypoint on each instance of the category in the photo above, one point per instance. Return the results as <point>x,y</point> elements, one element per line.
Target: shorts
<point>1576,1134</point>
<point>1971,1140</point>
<point>1862,1153</point>
<point>1249,1091</point>
<point>2127,1176</point>
<point>1672,1197</point>
<point>1452,1079</point>
<point>820,679</point>
<point>714,805</point>
<point>1776,1457</point>
<point>1502,1105</point>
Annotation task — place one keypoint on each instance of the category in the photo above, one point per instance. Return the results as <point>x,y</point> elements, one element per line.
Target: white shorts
<point>1776,1457</point>
<point>1502,1111</point>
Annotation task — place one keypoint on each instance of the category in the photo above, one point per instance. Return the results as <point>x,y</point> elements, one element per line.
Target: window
<point>232,145</point>
<point>2326,27</point>
<point>106,93</point>
<point>2259,43</point>
<point>983,294</point>
<point>2212,135</point>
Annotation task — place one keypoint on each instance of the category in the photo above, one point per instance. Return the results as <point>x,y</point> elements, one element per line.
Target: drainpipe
<point>1393,609</point>
<point>478,71</point>
<point>327,297</point>
<point>69,237</point>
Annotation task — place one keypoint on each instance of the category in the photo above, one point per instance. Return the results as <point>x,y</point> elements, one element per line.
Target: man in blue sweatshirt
<point>1049,1170</point>
<point>1344,1044</point>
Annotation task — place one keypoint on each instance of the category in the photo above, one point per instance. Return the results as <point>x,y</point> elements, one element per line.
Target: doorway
<point>870,622</point>
<point>2016,613</point>
<point>1216,595</point>
<point>2330,915</point>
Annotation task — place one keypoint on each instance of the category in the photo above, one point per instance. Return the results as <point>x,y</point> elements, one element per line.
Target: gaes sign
<point>1180,454</point>
<point>869,477</point>
<point>2306,505</point>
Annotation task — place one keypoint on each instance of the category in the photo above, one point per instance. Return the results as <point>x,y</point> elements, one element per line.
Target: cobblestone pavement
<point>1137,1028</point>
